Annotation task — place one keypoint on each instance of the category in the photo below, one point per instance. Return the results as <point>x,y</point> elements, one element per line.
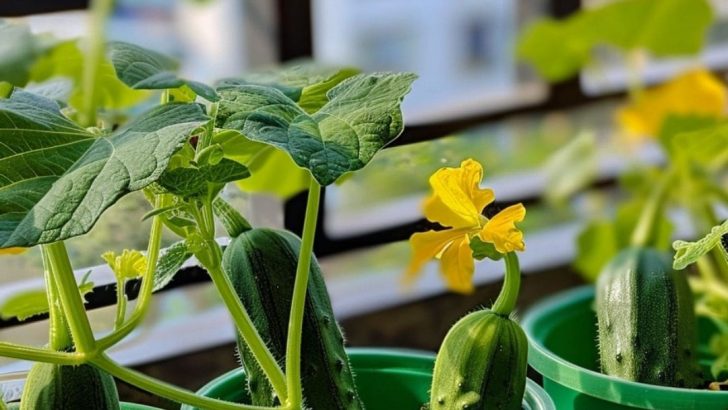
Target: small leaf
<point>159,211</point>
<point>362,116</point>
<point>5,89</point>
<point>19,50</point>
<point>184,182</point>
<point>687,253</point>
<point>224,171</point>
<point>170,263</point>
<point>234,223</point>
<point>482,250</point>
<point>211,155</point>
<point>144,69</point>
<point>59,178</point>
<point>596,245</point>
<point>571,168</point>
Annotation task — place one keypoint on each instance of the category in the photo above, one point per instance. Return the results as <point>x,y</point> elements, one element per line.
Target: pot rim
<point>610,388</point>
<point>418,361</point>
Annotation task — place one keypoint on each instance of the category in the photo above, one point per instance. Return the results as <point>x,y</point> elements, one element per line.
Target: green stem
<point>206,138</point>
<point>247,330</point>
<point>506,301</point>
<point>100,11</point>
<point>298,304</point>
<point>58,337</point>
<point>35,354</point>
<point>644,232</point>
<point>145,294</point>
<point>75,312</point>
<point>120,304</point>
<point>166,390</point>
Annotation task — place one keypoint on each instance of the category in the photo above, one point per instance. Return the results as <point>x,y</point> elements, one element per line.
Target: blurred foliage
<point>558,49</point>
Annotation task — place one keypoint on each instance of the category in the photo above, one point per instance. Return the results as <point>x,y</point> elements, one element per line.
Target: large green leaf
<point>362,116</point>
<point>34,302</point>
<point>307,83</point>
<point>67,60</point>
<point>19,49</point>
<point>144,69</point>
<point>57,178</point>
<point>559,48</point>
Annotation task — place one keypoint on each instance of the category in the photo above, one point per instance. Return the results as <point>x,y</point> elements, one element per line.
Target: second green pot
<point>388,379</point>
<point>562,347</point>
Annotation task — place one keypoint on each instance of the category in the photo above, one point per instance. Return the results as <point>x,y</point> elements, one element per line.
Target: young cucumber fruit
<point>55,387</point>
<point>481,365</point>
<point>261,264</point>
<point>646,320</point>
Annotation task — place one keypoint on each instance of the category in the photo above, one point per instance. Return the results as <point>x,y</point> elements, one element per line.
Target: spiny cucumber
<point>646,320</point>
<point>261,264</point>
<point>55,387</point>
<point>481,365</point>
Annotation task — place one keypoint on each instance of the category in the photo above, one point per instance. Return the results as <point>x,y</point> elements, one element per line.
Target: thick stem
<point>644,232</point>
<point>58,337</point>
<point>75,312</point>
<point>100,11</point>
<point>298,304</point>
<point>145,294</point>
<point>247,330</point>
<point>506,301</point>
<point>120,304</point>
<point>166,390</point>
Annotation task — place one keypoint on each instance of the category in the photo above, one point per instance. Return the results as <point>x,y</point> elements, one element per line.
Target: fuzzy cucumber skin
<point>261,264</point>
<point>481,365</point>
<point>55,387</point>
<point>646,320</point>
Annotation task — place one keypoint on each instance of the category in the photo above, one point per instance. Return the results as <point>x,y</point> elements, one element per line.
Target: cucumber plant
<point>66,159</point>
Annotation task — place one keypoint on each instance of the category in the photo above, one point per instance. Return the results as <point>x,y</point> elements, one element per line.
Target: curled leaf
<point>687,253</point>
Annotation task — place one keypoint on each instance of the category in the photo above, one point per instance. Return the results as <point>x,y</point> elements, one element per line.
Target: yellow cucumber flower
<point>128,265</point>
<point>12,251</point>
<point>695,92</point>
<point>457,203</point>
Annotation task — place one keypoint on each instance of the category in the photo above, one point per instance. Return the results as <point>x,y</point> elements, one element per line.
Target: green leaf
<point>191,182</point>
<point>596,245</point>
<point>234,223</point>
<point>558,49</point>
<point>362,116</point>
<point>687,253</point>
<point>482,250</point>
<point>5,89</point>
<point>31,303</point>
<point>170,263</point>
<point>266,164</point>
<point>58,178</point>
<point>67,60</point>
<point>307,83</point>
<point>18,51</point>
<point>571,168</point>
<point>144,69</point>
<point>707,146</point>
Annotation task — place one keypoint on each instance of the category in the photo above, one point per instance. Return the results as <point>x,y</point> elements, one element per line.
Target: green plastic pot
<point>562,333</point>
<point>135,406</point>
<point>388,379</point>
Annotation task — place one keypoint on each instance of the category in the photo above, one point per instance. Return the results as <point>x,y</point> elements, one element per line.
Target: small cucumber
<point>261,264</point>
<point>55,387</point>
<point>481,365</point>
<point>646,320</point>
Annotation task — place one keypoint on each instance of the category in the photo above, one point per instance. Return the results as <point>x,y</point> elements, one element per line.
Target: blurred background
<point>475,98</point>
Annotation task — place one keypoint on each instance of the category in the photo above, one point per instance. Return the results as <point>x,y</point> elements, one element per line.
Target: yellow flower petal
<point>457,200</point>
<point>429,245</point>
<point>456,264</point>
<point>501,230</point>
<point>128,265</point>
<point>12,251</point>
<point>696,92</point>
